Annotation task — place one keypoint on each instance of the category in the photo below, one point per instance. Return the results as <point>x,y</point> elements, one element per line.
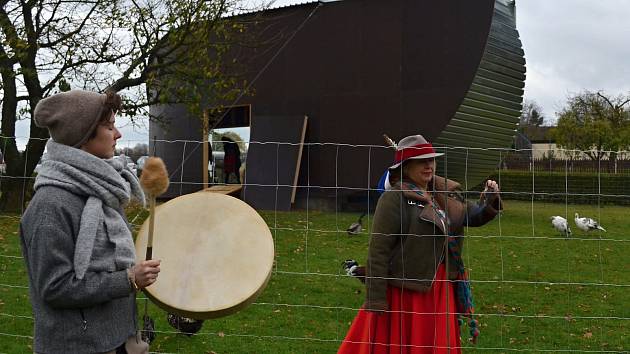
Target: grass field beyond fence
<point>534,290</point>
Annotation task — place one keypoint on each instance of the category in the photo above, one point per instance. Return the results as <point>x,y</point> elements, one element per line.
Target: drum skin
<point>216,255</point>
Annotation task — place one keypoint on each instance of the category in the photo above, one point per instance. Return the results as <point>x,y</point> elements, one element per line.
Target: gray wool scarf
<point>108,186</point>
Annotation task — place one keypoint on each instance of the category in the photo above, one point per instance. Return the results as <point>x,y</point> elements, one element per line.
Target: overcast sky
<point>570,46</point>
<point>573,45</point>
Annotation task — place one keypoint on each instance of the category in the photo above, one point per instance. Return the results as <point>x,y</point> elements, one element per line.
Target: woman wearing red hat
<point>416,283</point>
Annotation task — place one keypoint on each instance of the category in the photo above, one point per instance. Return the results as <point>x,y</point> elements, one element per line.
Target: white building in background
<point>544,146</point>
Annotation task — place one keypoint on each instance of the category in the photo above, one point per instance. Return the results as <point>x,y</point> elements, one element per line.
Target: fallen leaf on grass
<point>221,334</point>
<point>501,308</point>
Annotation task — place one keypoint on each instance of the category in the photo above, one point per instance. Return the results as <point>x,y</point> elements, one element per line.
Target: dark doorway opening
<point>228,142</point>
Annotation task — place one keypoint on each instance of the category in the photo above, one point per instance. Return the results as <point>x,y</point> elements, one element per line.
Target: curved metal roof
<point>454,74</point>
<point>486,121</point>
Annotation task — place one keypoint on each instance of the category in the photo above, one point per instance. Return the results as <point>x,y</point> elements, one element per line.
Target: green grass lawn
<point>535,291</point>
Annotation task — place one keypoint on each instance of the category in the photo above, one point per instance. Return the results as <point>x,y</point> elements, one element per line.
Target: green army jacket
<point>409,240</point>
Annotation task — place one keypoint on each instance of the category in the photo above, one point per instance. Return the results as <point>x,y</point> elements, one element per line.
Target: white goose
<point>561,224</point>
<point>587,224</point>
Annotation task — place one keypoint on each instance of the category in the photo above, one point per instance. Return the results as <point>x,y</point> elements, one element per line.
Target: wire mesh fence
<point>535,289</point>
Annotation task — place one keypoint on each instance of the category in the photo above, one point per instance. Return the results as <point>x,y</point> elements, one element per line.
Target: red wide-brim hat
<point>414,147</point>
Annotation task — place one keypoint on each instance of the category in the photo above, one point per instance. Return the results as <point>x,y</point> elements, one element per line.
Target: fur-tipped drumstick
<point>154,180</point>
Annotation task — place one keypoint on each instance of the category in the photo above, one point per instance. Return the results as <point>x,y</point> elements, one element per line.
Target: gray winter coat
<point>93,315</point>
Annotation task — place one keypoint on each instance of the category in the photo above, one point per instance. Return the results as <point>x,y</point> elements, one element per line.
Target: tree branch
<point>606,99</point>
<point>70,34</point>
<point>39,29</point>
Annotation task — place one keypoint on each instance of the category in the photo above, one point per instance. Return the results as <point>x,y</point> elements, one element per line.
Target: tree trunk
<point>15,192</point>
<point>16,185</point>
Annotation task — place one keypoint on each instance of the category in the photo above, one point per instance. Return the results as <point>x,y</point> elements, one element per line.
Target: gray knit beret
<point>71,116</point>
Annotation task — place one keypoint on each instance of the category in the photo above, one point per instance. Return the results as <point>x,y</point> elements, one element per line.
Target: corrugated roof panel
<point>506,45</point>
<point>478,125</point>
<point>476,143</point>
<point>490,91</point>
<point>479,154</point>
<point>495,135</point>
<point>506,54</point>
<point>498,85</point>
<point>485,122</point>
<point>520,76</point>
<point>489,107</point>
<point>479,96</point>
<point>496,76</point>
<point>483,117</point>
<point>507,62</point>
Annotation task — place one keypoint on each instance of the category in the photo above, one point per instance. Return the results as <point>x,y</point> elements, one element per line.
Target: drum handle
<point>151,226</point>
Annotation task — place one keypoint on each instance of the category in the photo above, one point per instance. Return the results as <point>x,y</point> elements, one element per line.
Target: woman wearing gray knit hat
<point>76,241</point>
<point>416,283</point>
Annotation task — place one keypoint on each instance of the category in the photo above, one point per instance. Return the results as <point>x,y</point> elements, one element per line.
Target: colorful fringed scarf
<point>465,304</point>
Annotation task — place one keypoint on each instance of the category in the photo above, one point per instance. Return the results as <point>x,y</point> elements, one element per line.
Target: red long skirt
<point>417,323</point>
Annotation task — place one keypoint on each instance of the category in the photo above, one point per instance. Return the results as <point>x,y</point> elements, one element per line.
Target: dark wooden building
<point>451,70</point>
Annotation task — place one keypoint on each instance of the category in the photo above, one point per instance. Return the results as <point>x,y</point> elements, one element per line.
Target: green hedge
<point>561,187</point>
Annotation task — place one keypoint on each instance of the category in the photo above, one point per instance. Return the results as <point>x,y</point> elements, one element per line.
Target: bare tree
<point>532,115</point>
<point>134,152</point>
<point>156,51</point>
